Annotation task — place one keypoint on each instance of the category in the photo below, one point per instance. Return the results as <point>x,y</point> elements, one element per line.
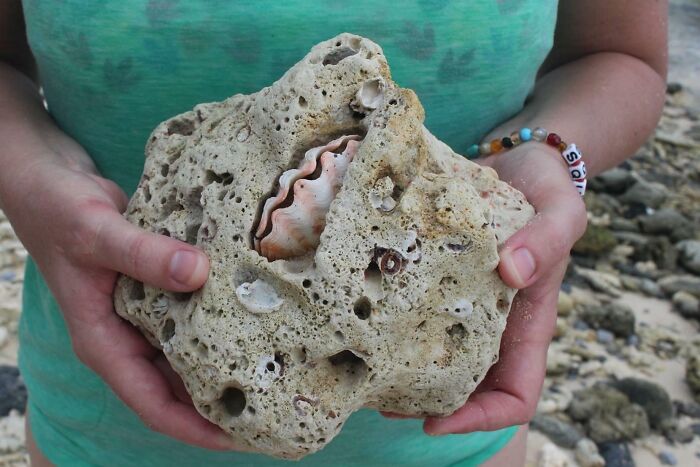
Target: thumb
<point>151,258</point>
<point>545,240</point>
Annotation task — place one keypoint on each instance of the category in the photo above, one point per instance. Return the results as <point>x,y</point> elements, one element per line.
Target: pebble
<point>4,336</point>
<point>581,325</point>
<point>11,432</point>
<point>648,194</point>
<point>667,458</point>
<point>561,433</point>
<point>616,455</point>
<point>8,276</point>
<point>604,336</point>
<point>652,397</point>
<point>613,317</point>
<point>667,222</point>
<point>614,181</point>
<point>564,304</point>
<point>690,408</point>
<point>587,454</point>
<point>681,282</point>
<point>688,305</point>
<point>552,456</point>
<point>633,340</point>
<point>13,393</point>
<point>689,251</point>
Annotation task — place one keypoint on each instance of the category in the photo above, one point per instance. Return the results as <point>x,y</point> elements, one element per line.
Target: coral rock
<point>385,292</point>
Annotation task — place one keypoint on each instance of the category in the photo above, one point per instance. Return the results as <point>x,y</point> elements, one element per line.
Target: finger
<point>396,415</point>
<point>532,251</point>
<point>124,360</point>
<point>509,394</point>
<point>110,241</point>
<point>113,191</point>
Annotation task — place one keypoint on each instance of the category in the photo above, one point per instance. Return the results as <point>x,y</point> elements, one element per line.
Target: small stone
<point>621,224</point>
<point>596,241</point>
<point>690,255</point>
<point>616,455</point>
<point>633,340</point>
<point>581,325</point>
<point>614,317</point>
<point>692,375</point>
<point>13,393</point>
<point>681,434</point>
<point>552,456</point>
<point>681,282</point>
<point>4,335</point>
<point>649,194</point>
<point>8,276</point>
<point>689,408</point>
<point>604,336</point>
<point>688,305</point>
<point>604,282</point>
<point>11,433</point>
<point>587,454</point>
<point>651,397</point>
<point>614,181</point>
<point>674,88</point>
<point>560,432</point>
<point>667,222</point>
<point>667,458</point>
<point>608,414</point>
<point>564,304</point>
<point>696,428</point>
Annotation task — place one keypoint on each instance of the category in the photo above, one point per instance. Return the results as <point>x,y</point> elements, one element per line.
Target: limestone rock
<point>386,294</point>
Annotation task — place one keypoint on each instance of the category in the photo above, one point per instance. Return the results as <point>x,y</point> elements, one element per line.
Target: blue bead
<point>473,151</point>
<point>525,134</point>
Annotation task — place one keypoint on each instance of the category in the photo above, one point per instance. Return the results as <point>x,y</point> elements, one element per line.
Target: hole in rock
<point>233,401</point>
<point>302,102</point>
<point>182,296</point>
<point>336,56</point>
<point>164,169</point>
<point>348,367</point>
<point>363,308</point>
<point>279,359</point>
<point>457,332</point>
<point>184,127</point>
<point>191,233</point>
<point>168,330</point>
<point>306,283</point>
<point>373,282</point>
<point>339,336</point>
<point>137,291</point>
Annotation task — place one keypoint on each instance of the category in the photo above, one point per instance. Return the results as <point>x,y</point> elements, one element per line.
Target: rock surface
<point>374,314</point>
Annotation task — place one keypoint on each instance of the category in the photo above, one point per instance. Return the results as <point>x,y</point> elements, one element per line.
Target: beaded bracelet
<point>570,153</point>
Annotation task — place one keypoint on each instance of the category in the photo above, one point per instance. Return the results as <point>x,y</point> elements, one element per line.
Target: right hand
<point>68,217</point>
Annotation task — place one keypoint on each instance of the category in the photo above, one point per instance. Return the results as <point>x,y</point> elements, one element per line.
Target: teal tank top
<point>112,70</point>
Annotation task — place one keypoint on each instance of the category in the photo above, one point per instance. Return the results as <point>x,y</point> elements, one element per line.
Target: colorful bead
<point>473,151</point>
<point>525,134</point>
<point>553,139</point>
<point>506,142</point>
<point>539,134</point>
<point>571,154</point>
<point>580,186</point>
<point>562,146</point>
<point>515,138</point>
<point>578,171</point>
<point>485,149</point>
<point>496,146</point>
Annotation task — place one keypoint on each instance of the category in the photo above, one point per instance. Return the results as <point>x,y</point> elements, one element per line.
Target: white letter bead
<point>580,186</point>
<point>571,154</point>
<point>578,171</point>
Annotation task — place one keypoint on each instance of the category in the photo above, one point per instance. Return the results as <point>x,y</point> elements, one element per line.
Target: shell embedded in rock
<point>292,221</point>
<point>372,285</point>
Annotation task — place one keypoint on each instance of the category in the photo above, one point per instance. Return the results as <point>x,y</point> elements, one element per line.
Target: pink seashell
<point>292,221</point>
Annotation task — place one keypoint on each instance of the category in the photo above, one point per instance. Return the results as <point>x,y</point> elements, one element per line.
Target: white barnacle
<point>258,297</point>
<point>461,309</point>
<point>380,195</point>
<point>267,371</point>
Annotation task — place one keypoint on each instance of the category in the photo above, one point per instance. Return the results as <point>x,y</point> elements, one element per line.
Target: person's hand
<point>534,260</point>
<point>69,219</point>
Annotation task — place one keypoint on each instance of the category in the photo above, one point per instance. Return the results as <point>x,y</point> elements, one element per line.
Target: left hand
<point>534,260</point>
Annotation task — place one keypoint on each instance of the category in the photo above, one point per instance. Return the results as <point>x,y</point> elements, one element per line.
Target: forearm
<point>28,134</point>
<point>607,103</point>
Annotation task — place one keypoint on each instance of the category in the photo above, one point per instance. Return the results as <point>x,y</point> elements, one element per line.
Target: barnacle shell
<point>292,221</point>
<point>353,255</point>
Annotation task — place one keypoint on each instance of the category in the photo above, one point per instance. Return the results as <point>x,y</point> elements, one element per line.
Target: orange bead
<point>496,146</point>
<point>562,146</point>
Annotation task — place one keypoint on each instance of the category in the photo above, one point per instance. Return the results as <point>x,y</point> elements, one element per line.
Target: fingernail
<point>523,264</point>
<point>185,265</point>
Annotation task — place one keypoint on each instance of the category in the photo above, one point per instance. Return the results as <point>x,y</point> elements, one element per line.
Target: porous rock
<point>280,352</point>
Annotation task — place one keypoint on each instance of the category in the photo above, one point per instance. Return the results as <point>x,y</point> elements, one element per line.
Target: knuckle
<point>135,250</point>
<point>84,233</point>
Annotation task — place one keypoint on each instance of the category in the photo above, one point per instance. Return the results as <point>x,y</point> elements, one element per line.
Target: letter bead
<point>578,171</point>
<point>571,154</point>
<point>581,186</point>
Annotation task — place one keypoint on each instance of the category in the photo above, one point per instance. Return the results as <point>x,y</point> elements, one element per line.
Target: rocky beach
<point>623,371</point>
